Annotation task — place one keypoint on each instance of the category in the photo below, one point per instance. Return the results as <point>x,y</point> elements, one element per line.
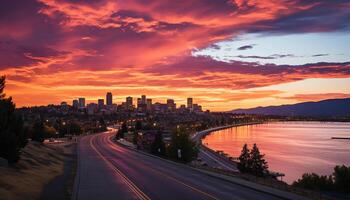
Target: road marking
<point>129,183</point>
<point>172,178</point>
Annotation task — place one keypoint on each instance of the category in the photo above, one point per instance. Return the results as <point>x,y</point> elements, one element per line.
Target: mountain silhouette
<point>325,108</point>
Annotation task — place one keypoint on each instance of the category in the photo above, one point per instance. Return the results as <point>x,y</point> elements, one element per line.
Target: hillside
<point>325,108</point>
<point>37,171</point>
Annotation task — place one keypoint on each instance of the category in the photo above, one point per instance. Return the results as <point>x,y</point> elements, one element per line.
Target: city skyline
<point>129,101</point>
<point>174,99</point>
<point>228,54</point>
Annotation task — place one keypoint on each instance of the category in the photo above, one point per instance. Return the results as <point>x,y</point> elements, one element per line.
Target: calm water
<point>290,147</point>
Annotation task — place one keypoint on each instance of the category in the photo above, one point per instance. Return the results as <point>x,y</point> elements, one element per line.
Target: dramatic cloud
<point>53,50</point>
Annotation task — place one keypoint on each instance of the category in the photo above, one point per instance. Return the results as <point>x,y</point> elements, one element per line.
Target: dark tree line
<point>181,147</point>
<point>158,146</point>
<point>339,181</point>
<point>122,131</point>
<point>13,134</point>
<point>252,161</point>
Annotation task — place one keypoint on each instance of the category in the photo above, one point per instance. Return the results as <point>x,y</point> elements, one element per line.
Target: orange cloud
<point>53,50</point>
<point>317,97</point>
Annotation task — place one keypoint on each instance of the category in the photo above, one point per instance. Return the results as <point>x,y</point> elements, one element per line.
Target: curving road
<point>109,171</point>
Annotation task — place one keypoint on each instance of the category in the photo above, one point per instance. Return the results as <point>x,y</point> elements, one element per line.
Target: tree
<point>2,87</point>
<point>182,147</point>
<point>244,160</point>
<point>158,145</point>
<point>121,132</point>
<point>13,134</point>
<point>342,178</point>
<point>71,128</point>
<point>339,181</point>
<point>138,125</point>
<point>258,164</point>
<point>38,131</point>
<point>102,125</point>
<point>314,182</point>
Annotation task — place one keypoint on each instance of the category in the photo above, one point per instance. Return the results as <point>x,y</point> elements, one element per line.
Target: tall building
<point>100,103</point>
<point>141,104</point>
<point>75,104</point>
<point>171,105</point>
<point>81,102</point>
<point>128,103</point>
<point>143,99</point>
<point>190,104</point>
<point>197,108</point>
<point>149,104</point>
<point>109,99</point>
<point>92,108</point>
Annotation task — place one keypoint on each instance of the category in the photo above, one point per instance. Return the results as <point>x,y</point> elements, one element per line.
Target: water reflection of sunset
<point>295,147</point>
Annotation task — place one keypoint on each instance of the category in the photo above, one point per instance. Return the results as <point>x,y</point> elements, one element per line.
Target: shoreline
<point>198,136</point>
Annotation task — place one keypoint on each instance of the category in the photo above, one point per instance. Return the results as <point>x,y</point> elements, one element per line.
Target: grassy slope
<point>38,166</point>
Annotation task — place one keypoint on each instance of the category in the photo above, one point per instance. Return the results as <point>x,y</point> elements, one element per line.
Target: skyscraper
<point>81,102</point>
<point>143,99</point>
<point>75,104</point>
<point>128,103</point>
<point>138,102</point>
<point>149,104</point>
<point>190,104</point>
<point>100,103</point>
<point>171,105</point>
<point>109,99</point>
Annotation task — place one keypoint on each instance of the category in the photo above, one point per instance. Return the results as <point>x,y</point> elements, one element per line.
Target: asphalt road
<point>108,171</point>
<point>213,160</point>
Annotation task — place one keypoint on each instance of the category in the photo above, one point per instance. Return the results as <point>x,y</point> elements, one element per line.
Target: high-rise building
<point>182,108</point>
<point>81,102</point>
<point>75,104</point>
<point>143,99</point>
<point>149,104</point>
<point>128,103</point>
<point>171,105</point>
<point>197,108</point>
<point>139,102</point>
<point>100,103</point>
<point>190,104</point>
<point>109,99</point>
<point>92,108</point>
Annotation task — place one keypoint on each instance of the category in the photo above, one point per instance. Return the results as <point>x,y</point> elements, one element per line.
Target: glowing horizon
<point>225,54</point>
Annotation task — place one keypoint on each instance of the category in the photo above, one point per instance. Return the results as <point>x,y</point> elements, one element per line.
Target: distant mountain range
<point>325,108</point>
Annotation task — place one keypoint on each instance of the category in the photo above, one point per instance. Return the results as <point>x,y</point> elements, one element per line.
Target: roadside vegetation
<point>339,181</point>
<point>13,134</point>
<point>252,161</point>
<point>180,148</point>
<point>39,167</point>
<point>27,167</point>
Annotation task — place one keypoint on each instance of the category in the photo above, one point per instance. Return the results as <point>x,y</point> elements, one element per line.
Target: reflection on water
<point>290,147</point>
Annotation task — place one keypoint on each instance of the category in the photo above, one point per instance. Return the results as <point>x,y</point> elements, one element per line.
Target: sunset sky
<point>226,54</point>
